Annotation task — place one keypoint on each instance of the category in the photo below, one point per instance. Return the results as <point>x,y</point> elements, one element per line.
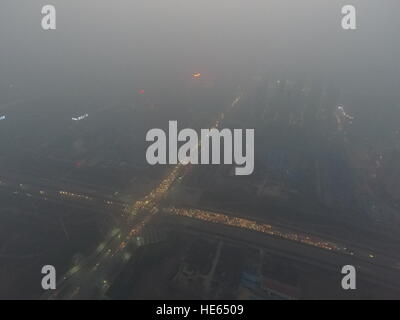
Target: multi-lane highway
<point>93,275</point>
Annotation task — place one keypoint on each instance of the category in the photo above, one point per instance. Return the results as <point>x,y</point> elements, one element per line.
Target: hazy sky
<point>118,41</point>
